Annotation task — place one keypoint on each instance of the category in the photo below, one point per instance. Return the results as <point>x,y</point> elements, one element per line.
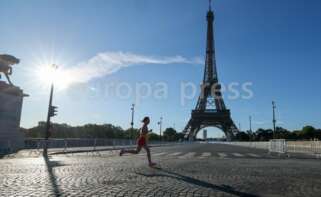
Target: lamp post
<point>274,120</point>
<point>250,130</point>
<point>51,112</point>
<point>132,122</point>
<point>160,128</point>
<point>250,120</point>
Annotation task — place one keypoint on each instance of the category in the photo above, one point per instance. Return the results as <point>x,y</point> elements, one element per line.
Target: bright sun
<point>48,68</point>
<point>47,74</point>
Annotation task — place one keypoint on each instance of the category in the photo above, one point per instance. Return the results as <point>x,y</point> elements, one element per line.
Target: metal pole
<point>160,128</point>
<point>48,120</point>
<point>48,124</point>
<point>274,120</point>
<point>250,119</point>
<point>251,133</point>
<point>132,122</point>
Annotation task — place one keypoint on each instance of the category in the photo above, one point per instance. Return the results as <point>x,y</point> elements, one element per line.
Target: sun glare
<point>47,74</point>
<point>46,68</point>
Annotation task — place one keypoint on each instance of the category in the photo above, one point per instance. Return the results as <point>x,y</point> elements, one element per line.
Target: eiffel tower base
<point>211,118</point>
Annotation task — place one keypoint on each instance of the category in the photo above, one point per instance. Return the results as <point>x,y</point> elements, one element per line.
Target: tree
<point>153,137</point>
<point>281,133</point>
<point>264,134</point>
<point>318,134</point>
<point>170,134</point>
<point>180,136</point>
<point>85,131</point>
<point>131,133</point>
<point>308,132</point>
<point>242,136</point>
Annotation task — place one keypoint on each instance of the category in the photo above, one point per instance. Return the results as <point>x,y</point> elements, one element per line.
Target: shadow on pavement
<point>190,180</point>
<point>52,178</point>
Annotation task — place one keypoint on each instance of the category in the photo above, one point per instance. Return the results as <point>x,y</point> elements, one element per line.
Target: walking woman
<point>141,142</point>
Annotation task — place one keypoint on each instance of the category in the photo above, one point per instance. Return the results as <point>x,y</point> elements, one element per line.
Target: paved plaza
<point>186,170</point>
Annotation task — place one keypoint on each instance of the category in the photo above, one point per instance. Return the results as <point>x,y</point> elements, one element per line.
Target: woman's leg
<point>135,151</point>
<point>148,154</point>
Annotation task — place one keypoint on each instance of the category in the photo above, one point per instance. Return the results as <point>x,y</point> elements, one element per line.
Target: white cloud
<point>110,62</point>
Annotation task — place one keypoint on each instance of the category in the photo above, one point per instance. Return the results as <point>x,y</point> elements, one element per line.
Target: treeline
<point>96,131</point>
<point>306,133</point>
<point>169,134</point>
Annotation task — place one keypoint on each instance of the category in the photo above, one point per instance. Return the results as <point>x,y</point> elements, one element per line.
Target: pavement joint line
<point>175,154</point>
<point>159,154</point>
<point>253,155</point>
<point>237,154</point>
<point>205,155</point>
<point>187,155</point>
<point>222,155</point>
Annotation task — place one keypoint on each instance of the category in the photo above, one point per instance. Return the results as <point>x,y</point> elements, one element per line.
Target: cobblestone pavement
<point>182,173</point>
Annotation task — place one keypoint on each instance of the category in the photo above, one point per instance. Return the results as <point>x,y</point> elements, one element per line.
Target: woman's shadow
<point>190,180</point>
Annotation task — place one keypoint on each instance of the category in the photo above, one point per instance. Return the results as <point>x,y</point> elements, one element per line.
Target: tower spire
<point>210,5</point>
<point>210,63</point>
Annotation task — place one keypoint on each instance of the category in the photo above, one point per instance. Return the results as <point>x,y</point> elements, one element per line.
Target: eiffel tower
<point>210,109</point>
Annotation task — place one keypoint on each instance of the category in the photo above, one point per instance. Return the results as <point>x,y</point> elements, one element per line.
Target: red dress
<point>141,141</point>
<point>142,137</point>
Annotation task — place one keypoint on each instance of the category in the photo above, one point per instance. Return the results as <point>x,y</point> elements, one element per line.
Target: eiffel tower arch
<point>210,109</point>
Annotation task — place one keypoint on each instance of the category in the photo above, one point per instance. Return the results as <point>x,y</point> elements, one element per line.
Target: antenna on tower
<point>210,4</point>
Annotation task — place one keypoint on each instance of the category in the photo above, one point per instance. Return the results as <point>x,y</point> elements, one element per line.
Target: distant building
<point>205,134</point>
<point>11,98</point>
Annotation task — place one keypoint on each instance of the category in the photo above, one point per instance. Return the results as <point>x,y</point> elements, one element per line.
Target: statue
<point>11,99</point>
<point>6,62</point>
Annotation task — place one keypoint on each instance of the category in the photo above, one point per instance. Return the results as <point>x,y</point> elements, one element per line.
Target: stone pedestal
<point>11,138</point>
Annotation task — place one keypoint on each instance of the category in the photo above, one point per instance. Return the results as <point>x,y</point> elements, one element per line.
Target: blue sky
<point>275,45</point>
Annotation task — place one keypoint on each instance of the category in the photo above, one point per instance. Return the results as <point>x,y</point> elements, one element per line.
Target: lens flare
<point>48,74</point>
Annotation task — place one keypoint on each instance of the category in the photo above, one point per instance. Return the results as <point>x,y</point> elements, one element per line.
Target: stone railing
<point>85,145</point>
<point>259,145</point>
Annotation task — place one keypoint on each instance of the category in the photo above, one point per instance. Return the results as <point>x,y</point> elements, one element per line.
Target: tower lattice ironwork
<point>210,109</point>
